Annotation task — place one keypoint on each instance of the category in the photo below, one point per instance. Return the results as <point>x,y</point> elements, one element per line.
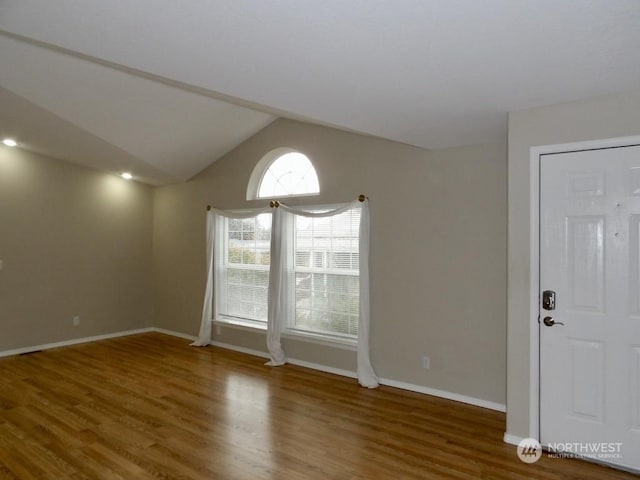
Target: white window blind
<point>327,274</point>
<point>244,269</point>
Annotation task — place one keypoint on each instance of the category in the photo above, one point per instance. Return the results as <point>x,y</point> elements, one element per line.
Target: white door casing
<point>590,256</point>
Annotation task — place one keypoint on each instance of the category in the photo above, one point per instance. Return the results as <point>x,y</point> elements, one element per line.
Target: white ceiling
<point>168,87</point>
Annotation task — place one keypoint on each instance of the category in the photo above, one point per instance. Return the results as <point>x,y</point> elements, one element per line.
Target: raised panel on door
<point>585,263</point>
<point>587,387</point>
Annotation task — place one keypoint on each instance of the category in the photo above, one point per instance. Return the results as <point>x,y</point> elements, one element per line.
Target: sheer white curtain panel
<point>279,289</point>
<point>282,310</point>
<point>214,239</point>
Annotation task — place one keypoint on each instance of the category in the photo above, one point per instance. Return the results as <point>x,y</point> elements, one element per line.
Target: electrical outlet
<point>426,363</point>
<point>76,321</point>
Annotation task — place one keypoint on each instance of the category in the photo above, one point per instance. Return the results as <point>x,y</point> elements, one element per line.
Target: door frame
<point>534,254</point>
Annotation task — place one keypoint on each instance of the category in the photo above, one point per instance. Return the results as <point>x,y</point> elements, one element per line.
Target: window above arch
<point>283,173</point>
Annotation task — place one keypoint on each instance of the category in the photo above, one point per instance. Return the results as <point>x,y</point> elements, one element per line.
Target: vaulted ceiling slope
<point>172,86</point>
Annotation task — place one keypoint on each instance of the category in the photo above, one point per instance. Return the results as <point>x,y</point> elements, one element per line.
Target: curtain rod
<point>276,203</point>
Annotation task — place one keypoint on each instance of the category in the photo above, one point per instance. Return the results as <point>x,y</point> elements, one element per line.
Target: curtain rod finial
<point>362,197</point>
<point>273,204</point>
<point>209,207</point>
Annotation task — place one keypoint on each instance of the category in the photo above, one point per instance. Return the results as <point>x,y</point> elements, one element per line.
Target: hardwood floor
<point>150,406</point>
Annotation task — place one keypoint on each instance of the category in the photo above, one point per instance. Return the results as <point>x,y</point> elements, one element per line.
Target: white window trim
<point>345,342</point>
<point>329,271</point>
<point>329,340</point>
<point>259,171</point>
<point>219,302</point>
<point>318,337</point>
<point>289,334</point>
<point>271,197</point>
<point>240,323</point>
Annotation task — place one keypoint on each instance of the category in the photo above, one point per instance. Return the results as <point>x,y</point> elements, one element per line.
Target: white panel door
<point>590,258</point>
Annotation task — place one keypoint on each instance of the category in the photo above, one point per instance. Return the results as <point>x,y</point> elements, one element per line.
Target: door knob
<point>550,322</point>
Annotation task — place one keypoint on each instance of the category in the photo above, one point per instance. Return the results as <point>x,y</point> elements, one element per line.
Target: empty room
<point>320,239</point>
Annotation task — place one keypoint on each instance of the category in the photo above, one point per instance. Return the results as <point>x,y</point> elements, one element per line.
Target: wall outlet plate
<point>426,362</point>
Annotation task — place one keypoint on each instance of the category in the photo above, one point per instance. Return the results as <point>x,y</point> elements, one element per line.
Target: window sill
<point>240,324</point>
<point>320,339</point>
<point>317,338</point>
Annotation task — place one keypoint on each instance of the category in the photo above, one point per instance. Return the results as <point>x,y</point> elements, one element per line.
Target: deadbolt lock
<point>549,300</point>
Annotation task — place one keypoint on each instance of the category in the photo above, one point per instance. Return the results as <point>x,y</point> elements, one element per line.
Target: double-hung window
<point>326,274</point>
<point>242,268</point>
<point>323,284</point>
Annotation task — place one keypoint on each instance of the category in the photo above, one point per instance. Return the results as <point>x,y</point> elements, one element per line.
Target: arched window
<point>283,173</point>
<point>316,254</point>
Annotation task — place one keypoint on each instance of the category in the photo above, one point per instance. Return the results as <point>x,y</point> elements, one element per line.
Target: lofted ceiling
<point>165,88</point>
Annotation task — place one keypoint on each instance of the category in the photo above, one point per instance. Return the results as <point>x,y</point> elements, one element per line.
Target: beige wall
<point>606,117</point>
<point>74,242</point>
<point>438,251</point>
<point>79,242</point>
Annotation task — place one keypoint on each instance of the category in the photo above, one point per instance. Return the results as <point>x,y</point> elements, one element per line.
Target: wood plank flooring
<point>150,406</point>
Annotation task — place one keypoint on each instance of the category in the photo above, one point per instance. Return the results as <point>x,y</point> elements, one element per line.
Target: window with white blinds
<point>326,271</point>
<point>243,271</point>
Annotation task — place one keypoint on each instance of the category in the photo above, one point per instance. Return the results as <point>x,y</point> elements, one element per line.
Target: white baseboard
<point>383,381</point>
<point>511,439</point>
<point>74,341</point>
<point>323,368</point>
<point>174,334</point>
<point>292,361</point>
<point>235,348</point>
<point>478,402</point>
<point>302,363</point>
